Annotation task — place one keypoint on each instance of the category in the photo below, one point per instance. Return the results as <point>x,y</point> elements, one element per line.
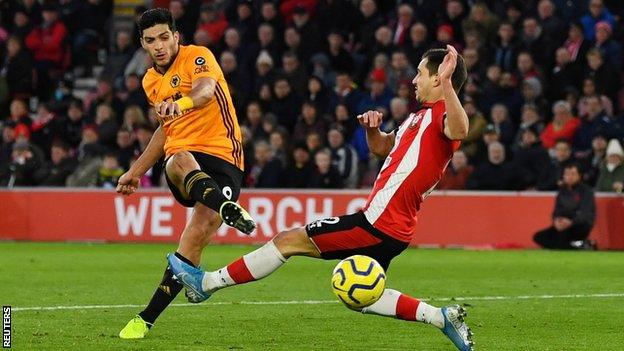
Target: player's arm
<point>379,143</point>
<point>129,181</point>
<point>202,91</point>
<point>456,121</point>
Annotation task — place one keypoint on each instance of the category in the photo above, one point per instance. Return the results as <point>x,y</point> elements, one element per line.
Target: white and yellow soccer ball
<point>358,281</point>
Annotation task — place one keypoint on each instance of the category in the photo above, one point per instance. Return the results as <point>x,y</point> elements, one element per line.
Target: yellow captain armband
<point>185,103</point>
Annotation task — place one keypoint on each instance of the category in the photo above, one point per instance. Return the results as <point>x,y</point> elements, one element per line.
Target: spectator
<point>405,16</point>
<point>594,121</point>
<point>266,171</point>
<point>532,157</point>
<point>530,118</point>
<point>490,135</point>
<point>213,23</point>
<point>339,59</point>
<point>19,113</point>
<point>285,104</point>
<point>106,125</point>
<point>314,142</point>
<point>564,74</point>
<point>476,127</point>
<point>597,13</point>
<point>317,94</point>
<point>576,44</point>
<point>496,173</point>
<point>481,21</point>
<point>298,174</point>
<point>71,126</point>
<point>398,113</point>
<point>345,92</point>
<point>506,48</point>
<point>309,31</point>
<point>253,121</point>
<point>500,119</point>
<point>562,158</point>
<point>278,141</point>
<point>47,42</point>
<point>456,176</point>
<point>104,93</point>
<point>138,64</point>
<point>89,159</point>
<point>118,58</point>
<point>552,26</point>
<point>185,18</point>
<point>86,21</point>
<point>26,165</point>
<point>238,83</point>
<point>454,15</point>
<point>325,175</point>
<point>308,121</point>
<point>532,94</point>
<point>474,65</point>
<point>611,175</point>
<point>589,90</point>
<point>6,151</point>
<point>44,129</point>
<point>109,173</point>
<point>294,72</point>
<point>573,216</point>
<point>133,93</point>
<point>292,39</point>
<point>379,95</point>
<point>264,74</point>
<point>594,160</point>
<point>418,43</point>
<point>370,19</point>
<point>126,148</point>
<point>133,118</point>
<point>60,166</point>
<point>606,77</point>
<point>400,69</point>
<point>563,125</point>
<point>343,157</point>
<point>17,69</point>
<point>22,25</point>
<point>610,49</point>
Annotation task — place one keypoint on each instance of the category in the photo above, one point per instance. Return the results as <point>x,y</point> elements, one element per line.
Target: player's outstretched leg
<point>450,319</point>
<point>252,266</point>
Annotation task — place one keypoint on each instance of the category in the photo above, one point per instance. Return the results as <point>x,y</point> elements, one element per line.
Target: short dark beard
<point>163,69</point>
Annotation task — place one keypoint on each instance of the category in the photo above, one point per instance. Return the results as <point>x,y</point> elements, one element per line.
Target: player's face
<point>423,82</point>
<point>161,44</point>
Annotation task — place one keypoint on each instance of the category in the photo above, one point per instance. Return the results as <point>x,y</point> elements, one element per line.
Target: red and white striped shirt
<point>414,166</point>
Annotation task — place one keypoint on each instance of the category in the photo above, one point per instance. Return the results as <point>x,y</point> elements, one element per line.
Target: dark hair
<point>574,165</point>
<point>153,17</point>
<point>434,59</point>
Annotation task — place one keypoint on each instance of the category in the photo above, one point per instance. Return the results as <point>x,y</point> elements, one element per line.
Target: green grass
<point>41,274</point>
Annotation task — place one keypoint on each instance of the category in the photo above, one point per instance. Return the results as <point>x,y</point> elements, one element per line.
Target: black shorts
<point>341,237</point>
<point>227,176</point>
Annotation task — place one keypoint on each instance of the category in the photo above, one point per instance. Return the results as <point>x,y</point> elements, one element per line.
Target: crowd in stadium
<point>543,90</point>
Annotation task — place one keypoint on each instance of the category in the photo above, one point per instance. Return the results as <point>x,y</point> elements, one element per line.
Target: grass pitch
<point>516,300</point>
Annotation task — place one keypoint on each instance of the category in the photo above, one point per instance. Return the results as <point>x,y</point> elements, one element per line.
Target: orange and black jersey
<point>213,128</point>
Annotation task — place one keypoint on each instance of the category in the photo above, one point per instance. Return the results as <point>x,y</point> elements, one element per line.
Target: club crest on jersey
<point>416,119</point>
<point>200,61</point>
<point>175,81</point>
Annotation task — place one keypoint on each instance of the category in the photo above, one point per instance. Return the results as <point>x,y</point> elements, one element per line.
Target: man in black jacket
<point>573,216</point>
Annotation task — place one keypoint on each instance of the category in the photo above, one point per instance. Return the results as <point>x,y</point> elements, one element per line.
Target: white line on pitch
<point>319,302</point>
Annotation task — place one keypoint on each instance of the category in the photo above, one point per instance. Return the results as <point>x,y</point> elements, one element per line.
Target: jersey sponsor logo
<point>201,69</point>
<point>416,119</point>
<point>200,61</point>
<point>175,81</point>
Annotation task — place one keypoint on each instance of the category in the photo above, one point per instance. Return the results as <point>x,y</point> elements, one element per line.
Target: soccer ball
<point>358,281</point>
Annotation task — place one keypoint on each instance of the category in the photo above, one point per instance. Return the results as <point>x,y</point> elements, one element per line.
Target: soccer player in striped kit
<point>416,155</point>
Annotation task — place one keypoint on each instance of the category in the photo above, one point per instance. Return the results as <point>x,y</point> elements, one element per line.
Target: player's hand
<point>370,119</point>
<point>127,184</point>
<point>447,67</point>
<point>167,109</point>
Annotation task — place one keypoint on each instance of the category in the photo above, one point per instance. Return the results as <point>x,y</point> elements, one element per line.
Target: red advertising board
<point>446,218</point>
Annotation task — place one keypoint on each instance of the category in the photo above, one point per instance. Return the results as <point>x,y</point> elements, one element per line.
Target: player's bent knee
<point>295,243</point>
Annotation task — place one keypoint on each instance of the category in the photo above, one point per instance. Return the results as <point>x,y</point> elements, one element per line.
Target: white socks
<point>252,266</point>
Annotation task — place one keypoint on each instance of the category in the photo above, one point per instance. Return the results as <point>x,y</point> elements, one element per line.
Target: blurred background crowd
<point>544,87</point>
